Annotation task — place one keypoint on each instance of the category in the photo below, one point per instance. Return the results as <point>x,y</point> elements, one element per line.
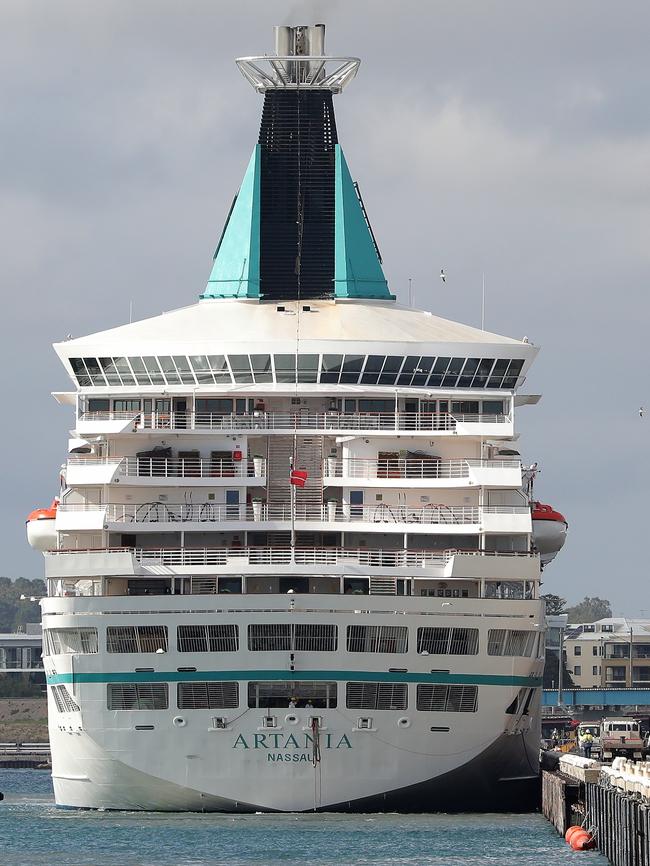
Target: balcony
<point>153,516</point>
<point>427,472</point>
<point>383,423</point>
<point>165,472</point>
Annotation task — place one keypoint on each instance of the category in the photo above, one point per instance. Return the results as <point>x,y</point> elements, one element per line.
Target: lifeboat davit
<point>549,531</point>
<point>41,533</point>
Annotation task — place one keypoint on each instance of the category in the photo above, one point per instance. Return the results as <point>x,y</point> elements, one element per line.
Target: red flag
<point>298,477</point>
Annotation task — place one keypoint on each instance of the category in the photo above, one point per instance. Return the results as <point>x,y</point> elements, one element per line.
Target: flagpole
<point>293,511</point>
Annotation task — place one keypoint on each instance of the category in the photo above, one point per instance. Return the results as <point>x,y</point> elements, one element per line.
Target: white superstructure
<point>217,638</point>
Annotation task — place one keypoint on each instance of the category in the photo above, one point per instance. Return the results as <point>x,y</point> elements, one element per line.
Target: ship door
<point>232,504</point>
<point>356,503</point>
<point>180,412</point>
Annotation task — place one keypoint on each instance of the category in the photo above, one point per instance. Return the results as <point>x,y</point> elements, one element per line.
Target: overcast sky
<point>510,138</point>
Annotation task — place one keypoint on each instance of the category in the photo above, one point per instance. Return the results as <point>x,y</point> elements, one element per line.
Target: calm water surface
<point>34,833</point>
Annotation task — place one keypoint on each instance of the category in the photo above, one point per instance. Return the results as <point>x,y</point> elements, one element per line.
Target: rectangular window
<point>448,641</point>
<point>65,641</point>
<point>331,368</point>
<point>153,370</point>
<point>498,371</point>
<point>169,370</point>
<point>308,368</point>
<point>285,368</point>
<point>136,638</point>
<point>352,365</point>
<point>287,637</point>
<point>594,670</point>
<point>377,639</point>
<point>447,699</point>
<point>208,696</point>
<point>108,368</point>
<point>137,696</point>
<point>222,638</point>
<point>492,407</point>
<point>262,370</point>
<point>376,696</point>
<point>577,670</point>
<point>126,405</point>
<point>577,650</point>
<point>505,642</point>
<point>283,693</point>
<point>122,367</point>
<point>140,371</point>
<point>241,368</point>
<point>482,373</point>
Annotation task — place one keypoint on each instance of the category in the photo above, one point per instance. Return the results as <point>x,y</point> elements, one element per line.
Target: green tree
<point>14,611</point>
<point>589,610</point>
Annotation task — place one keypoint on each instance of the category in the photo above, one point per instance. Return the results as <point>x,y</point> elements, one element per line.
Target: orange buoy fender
<point>571,831</point>
<point>582,841</point>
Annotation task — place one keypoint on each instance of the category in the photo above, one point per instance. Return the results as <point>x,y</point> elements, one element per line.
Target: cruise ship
<point>292,564</point>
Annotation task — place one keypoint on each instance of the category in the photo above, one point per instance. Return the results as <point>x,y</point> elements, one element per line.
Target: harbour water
<point>33,832</point>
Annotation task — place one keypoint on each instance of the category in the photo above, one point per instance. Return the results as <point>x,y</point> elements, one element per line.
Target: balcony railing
<point>216,512</point>
<point>384,421</point>
<point>210,512</point>
<point>425,468</point>
<point>178,467</point>
<point>192,468</point>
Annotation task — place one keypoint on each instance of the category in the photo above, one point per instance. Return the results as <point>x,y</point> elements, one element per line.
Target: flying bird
<point>641,411</point>
<point>442,276</point>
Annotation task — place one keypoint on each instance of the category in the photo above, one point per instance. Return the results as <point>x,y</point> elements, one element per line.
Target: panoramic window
<point>448,641</point>
<point>208,696</point>
<point>376,696</point>
<point>136,638</point>
<point>223,637</point>
<point>288,694</point>
<point>137,696</point>
<point>269,637</point>
<point>447,699</point>
<point>65,641</point>
<point>505,642</point>
<point>377,639</point>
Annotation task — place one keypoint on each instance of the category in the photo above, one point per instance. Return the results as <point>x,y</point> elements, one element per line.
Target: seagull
<point>641,411</point>
<point>442,276</point>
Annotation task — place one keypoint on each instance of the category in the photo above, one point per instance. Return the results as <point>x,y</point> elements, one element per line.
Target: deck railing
<point>178,467</point>
<point>385,421</point>
<point>414,468</point>
<point>211,512</point>
<point>380,558</point>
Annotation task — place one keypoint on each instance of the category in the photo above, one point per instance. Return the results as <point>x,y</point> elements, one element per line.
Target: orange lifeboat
<point>549,531</point>
<point>41,533</point>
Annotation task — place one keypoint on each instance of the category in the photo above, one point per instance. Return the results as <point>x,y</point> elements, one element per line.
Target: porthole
<point>403,722</point>
<point>178,722</point>
<point>291,719</point>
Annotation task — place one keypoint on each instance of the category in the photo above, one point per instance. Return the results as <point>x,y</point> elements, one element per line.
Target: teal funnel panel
<point>357,269</point>
<point>236,269</point>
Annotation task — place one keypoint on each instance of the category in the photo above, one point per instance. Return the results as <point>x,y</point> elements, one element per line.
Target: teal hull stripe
<point>290,676</point>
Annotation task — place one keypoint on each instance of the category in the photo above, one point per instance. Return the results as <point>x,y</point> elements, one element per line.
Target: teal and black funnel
<point>297,228</point>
